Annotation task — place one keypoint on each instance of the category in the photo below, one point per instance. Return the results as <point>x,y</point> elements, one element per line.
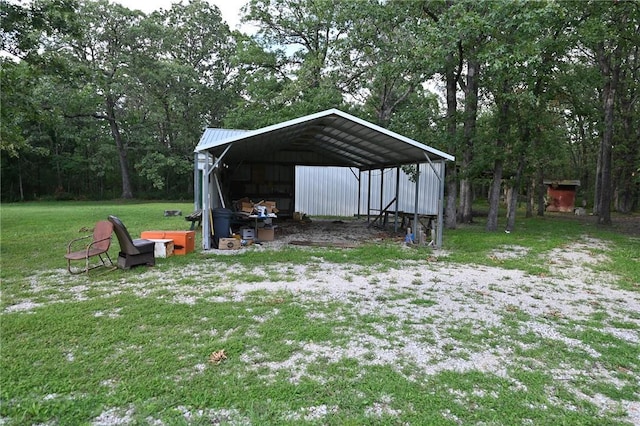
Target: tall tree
<point>523,54</point>
<point>374,64</point>
<point>627,152</point>
<point>186,81</point>
<point>102,54</point>
<point>451,57</point>
<point>24,123</point>
<point>306,33</point>
<point>465,214</point>
<point>609,33</point>
<point>503,126</point>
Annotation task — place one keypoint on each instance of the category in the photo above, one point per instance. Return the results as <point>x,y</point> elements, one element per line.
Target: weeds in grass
<point>424,302</point>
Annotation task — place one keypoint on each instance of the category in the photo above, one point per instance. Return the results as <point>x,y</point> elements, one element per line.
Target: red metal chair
<point>99,246</point>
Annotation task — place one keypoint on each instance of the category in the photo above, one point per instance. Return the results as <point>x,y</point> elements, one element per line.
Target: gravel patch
<point>313,413</point>
<point>509,252</point>
<point>24,306</point>
<point>114,416</point>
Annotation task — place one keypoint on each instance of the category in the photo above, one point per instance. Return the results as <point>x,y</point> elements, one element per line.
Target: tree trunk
<point>465,187</point>
<point>515,190</point>
<point>470,116</point>
<point>122,151</point>
<point>610,70</point>
<point>531,190</point>
<point>452,174</point>
<point>494,196</point>
<point>540,190</point>
<point>20,185</point>
<point>598,184</point>
<point>452,188</point>
<point>451,81</point>
<point>604,198</point>
<point>627,150</point>
<point>498,164</point>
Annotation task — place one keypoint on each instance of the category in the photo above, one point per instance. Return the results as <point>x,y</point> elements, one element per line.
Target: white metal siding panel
<point>428,194</point>
<point>333,191</point>
<point>326,191</point>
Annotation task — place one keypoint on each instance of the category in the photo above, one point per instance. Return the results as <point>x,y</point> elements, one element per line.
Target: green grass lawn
<point>134,347</point>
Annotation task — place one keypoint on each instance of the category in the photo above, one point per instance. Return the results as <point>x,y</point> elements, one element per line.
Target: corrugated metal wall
<point>333,191</point>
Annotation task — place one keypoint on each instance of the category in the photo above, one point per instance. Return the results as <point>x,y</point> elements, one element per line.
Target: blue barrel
<point>221,224</point>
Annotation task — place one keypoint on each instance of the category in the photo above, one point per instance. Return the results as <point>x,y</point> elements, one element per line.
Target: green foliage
<point>104,100</point>
<point>126,100</point>
<point>23,27</point>
<point>17,87</point>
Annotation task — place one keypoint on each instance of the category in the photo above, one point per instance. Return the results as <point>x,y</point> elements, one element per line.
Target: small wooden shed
<point>561,195</point>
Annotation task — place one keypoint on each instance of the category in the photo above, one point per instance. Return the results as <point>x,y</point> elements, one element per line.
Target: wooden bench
<point>429,222</point>
<point>194,217</point>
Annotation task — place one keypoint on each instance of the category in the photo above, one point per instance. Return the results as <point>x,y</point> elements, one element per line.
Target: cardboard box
<point>162,248</point>
<point>266,234</point>
<point>270,206</point>
<point>246,207</point>
<point>244,204</point>
<point>248,233</point>
<point>228,244</point>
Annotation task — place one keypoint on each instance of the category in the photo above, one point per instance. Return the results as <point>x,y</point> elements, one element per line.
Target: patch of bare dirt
<point>341,233</point>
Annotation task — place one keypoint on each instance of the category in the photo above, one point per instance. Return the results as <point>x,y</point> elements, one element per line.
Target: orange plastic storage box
<point>183,241</point>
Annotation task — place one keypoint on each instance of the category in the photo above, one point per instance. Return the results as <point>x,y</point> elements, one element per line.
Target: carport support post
<point>369,198</point>
<point>381,190</point>
<point>440,209</point>
<point>206,203</point>
<point>197,184</point>
<point>359,179</point>
<point>359,190</point>
<point>415,204</point>
<point>395,220</point>
<point>440,199</point>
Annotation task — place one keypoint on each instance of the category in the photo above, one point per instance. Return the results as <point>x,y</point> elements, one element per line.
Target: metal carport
<point>327,138</point>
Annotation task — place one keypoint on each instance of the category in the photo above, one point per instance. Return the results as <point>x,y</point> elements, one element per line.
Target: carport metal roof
<point>327,138</point>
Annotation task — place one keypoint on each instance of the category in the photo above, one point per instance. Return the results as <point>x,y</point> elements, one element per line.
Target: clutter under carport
<point>246,224</point>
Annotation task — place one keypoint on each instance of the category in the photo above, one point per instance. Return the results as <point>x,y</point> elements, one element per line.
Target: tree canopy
<point>99,101</point>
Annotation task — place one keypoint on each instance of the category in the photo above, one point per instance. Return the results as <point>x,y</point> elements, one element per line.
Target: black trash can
<point>221,224</point>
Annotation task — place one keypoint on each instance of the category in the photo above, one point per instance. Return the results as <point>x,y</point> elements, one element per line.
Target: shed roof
<point>565,182</point>
<point>327,138</point>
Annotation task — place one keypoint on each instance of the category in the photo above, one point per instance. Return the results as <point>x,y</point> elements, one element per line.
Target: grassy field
<point>143,346</point>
